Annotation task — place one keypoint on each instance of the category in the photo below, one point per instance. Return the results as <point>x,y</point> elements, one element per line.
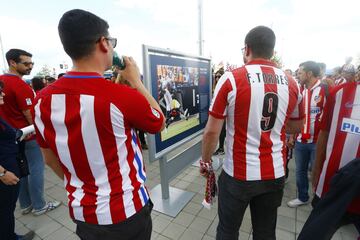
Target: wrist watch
<point>3,173</point>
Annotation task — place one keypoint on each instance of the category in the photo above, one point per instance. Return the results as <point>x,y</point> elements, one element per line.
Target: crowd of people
<point>86,132</point>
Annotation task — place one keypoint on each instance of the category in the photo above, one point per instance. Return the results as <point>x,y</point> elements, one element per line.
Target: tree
<point>277,60</point>
<point>45,71</point>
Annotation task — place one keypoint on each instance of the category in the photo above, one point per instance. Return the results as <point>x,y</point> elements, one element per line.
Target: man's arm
<point>52,161</point>
<point>211,136</point>
<point>294,126</point>
<point>27,115</point>
<point>320,156</point>
<point>132,75</point>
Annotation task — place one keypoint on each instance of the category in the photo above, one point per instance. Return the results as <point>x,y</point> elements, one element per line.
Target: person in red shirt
<point>259,102</point>
<point>19,99</point>
<point>86,127</point>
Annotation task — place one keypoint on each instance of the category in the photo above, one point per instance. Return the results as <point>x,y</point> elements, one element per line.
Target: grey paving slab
<point>173,231</point>
<point>193,208</point>
<point>160,224</point>
<point>192,223</point>
<point>200,224</point>
<point>184,219</point>
<point>286,223</point>
<point>191,234</point>
<point>61,234</point>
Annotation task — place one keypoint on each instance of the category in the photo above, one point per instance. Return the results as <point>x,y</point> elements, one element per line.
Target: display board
<point>182,86</point>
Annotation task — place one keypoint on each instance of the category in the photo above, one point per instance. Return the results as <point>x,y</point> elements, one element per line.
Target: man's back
<point>260,98</point>
<point>89,124</point>
<point>342,122</point>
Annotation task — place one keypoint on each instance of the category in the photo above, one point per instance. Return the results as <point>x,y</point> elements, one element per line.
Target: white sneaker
<point>296,203</point>
<point>50,205</point>
<point>27,210</point>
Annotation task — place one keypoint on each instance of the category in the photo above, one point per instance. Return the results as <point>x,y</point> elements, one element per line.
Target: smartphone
<point>118,61</point>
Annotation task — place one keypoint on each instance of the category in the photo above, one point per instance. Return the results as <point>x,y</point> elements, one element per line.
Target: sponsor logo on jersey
<point>351,105</point>
<point>315,110</point>
<point>156,113</point>
<point>351,126</point>
<point>28,101</point>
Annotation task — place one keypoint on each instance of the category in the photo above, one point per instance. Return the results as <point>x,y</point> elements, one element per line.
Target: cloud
<point>37,37</point>
<point>319,30</point>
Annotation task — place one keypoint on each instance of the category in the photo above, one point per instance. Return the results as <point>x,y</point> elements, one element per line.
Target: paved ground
<point>192,223</point>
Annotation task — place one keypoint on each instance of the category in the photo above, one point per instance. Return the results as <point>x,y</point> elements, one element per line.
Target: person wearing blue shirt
<point>9,179</point>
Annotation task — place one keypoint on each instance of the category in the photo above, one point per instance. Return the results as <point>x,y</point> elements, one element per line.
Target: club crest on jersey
<point>350,126</point>
<point>28,101</point>
<point>156,113</point>
<point>317,98</point>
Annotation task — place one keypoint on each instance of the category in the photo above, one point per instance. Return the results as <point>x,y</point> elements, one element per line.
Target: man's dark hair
<point>261,41</point>
<point>311,66</point>
<point>79,31</point>
<point>60,75</point>
<point>322,66</point>
<point>37,83</point>
<point>14,54</point>
<point>50,79</point>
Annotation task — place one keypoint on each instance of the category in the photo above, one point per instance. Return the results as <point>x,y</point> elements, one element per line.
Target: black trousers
<point>264,197</point>
<point>330,212</point>
<point>8,198</point>
<point>137,227</point>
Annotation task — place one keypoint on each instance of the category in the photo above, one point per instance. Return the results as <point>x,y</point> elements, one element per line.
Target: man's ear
<point>104,44</point>
<point>247,51</point>
<point>12,63</point>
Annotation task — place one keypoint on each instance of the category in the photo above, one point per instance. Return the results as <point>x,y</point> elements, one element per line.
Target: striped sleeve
<point>140,114</point>
<point>36,114</point>
<point>219,102</point>
<point>298,112</point>
<point>325,123</point>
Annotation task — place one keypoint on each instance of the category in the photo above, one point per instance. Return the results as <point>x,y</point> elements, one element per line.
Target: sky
<point>321,30</point>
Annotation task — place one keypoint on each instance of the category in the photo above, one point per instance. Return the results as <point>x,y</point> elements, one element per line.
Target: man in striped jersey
<point>339,138</point>
<point>260,102</point>
<point>314,97</point>
<point>86,129</point>
<point>338,142</point>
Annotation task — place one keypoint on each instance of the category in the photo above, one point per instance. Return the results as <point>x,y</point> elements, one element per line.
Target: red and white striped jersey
<point>89,123</point>
<point>256,100</point>
<point>340,81</point>
<point>314,101</point>
<point>342,121</point>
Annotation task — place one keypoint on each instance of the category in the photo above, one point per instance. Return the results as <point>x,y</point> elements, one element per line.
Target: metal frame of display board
<point>170,200</point>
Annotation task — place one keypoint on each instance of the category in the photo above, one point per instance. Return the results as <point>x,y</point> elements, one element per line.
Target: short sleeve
<point>39,138</point>
<point>24,96</point>
<point>140,114</point>
<point>299,110</point>
<point>325,122</point>
<point>219,102</point>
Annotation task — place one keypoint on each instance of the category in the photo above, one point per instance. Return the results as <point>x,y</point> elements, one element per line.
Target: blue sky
<point>325,31</point>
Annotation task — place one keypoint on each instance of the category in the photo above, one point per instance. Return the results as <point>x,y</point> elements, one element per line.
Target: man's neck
<point>12,71</point>
<point>311,83</point>
<point>88,65</point>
